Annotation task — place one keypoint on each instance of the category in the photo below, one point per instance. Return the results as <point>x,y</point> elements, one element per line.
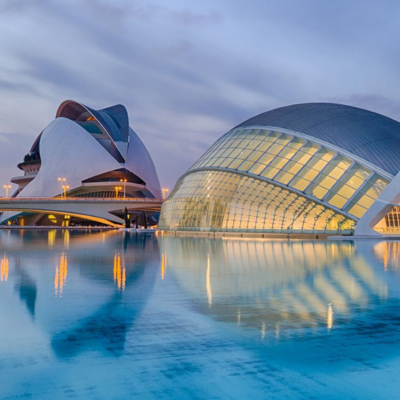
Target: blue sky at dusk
<point>188,71</point>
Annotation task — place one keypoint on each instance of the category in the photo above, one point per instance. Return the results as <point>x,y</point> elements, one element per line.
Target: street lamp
<point>164,191</point>
<point>117,189</point>
<point>7,187</point>
<point>124,180</point>
<point>65,187</point>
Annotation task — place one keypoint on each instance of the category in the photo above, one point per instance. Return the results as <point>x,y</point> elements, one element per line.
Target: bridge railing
<point>81,199</point>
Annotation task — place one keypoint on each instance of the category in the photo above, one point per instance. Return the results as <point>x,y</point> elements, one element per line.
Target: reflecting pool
<point>117,315</point>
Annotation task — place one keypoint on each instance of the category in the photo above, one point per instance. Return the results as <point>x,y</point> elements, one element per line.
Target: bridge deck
<point>96,209</point>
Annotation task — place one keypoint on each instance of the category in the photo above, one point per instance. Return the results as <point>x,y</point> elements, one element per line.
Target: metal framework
<point>272,180</point>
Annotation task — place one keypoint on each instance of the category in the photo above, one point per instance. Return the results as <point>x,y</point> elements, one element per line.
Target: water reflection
<point>61,275</point>
<point>389,253</point>
<point>79,275</point>
<point>4,269</point>
<point>119,273</point>
<point>163,265</point>
<point>279,286</point>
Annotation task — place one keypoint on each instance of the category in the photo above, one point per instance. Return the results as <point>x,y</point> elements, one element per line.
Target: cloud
<point>373,102</point>
<point>188,73</point>
<point>190,18</point>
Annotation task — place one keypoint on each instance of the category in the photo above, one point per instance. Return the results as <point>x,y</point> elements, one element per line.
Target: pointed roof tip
<point>113,119</point>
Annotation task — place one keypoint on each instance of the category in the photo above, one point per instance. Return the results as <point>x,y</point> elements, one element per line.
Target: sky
<point>189,71</point>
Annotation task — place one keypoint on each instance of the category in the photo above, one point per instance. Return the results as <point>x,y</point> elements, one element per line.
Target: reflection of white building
<point>307,168</point>
<point>87,153</point>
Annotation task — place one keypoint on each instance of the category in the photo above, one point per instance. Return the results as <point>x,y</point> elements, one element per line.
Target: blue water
<point>111,315</point>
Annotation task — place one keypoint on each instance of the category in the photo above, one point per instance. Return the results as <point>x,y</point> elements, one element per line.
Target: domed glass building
<point>308,168</point>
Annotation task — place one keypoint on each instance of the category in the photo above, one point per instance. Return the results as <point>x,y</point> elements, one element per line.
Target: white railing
<point>81,199</point>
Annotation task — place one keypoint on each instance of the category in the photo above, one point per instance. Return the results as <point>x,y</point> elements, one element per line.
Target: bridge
<point>93,209</point>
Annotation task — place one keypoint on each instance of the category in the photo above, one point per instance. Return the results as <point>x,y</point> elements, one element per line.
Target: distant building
<point>85,153</point>
<point>309,168</point>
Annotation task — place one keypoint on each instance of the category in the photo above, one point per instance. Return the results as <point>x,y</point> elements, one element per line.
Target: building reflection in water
<point>208,281</point>
<point>60,277</point>
<point>89,264</point>
<point>66,236</point>
<point>51,237</point>
<point>389,253</point>
<point>163,264</point>
<point>4,269</point>
<point>119,272</point>
<point>275,285</point>
<point>103,324</point>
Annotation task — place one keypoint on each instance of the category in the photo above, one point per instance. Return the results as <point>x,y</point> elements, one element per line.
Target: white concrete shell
<point>140,163</point>
<point>67,150</point>
<point>70,151</point>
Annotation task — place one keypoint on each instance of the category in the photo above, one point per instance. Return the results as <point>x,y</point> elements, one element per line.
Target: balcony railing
<point>81,199</point>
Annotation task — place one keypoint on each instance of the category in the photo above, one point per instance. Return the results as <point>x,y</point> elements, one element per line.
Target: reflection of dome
<point>308,168</point>
<point>110,275</point>
<point>90,151</point>
<point>296,284</point>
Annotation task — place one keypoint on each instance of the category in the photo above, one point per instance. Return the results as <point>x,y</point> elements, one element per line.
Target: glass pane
<point>284,177</point>
<point>254,156</point>
<point>245,166</point>
<point>296,143</point>
<point>324,181</point>
<point>264,146</point>
<point>235,163</point>
<point>266,159</point>
<point>366,201</point>
<point>284,139</point>
<point>227,152</point>
<point>317,191</point>
<point>299,183</point>
<point>356,176</point>
<point>270,172</point>
<point>325,154</point>
<point>346,191</point>
<point>225,162</point>
<point>272,136</point>
<point>243,154</point>
<point>279,162</point>
<point>287,152</point>
<point>257,168</point>
<point>308,173</point>
<point>293,167</point>
<point>275,149</point>
<point>253,144</point>
<point>357,211</point>
<point>235,153</point>
<point>337,201</point>
<point>317,164</point>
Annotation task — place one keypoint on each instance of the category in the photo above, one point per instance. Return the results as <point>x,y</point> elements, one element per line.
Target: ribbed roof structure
<point>368,135</point>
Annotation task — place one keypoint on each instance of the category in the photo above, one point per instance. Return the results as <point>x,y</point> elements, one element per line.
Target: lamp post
<point>124,180</point>
<point>164,191</point>
<point>117,189</point>
<point>7,187</point>
<point>63,182</point>
<point>65,188</point>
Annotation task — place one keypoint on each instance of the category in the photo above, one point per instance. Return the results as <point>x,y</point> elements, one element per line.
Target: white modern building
<point>86,153</point>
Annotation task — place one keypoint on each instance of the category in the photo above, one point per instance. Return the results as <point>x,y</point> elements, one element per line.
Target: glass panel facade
<point>224,201</point>
<point>308,167</point>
